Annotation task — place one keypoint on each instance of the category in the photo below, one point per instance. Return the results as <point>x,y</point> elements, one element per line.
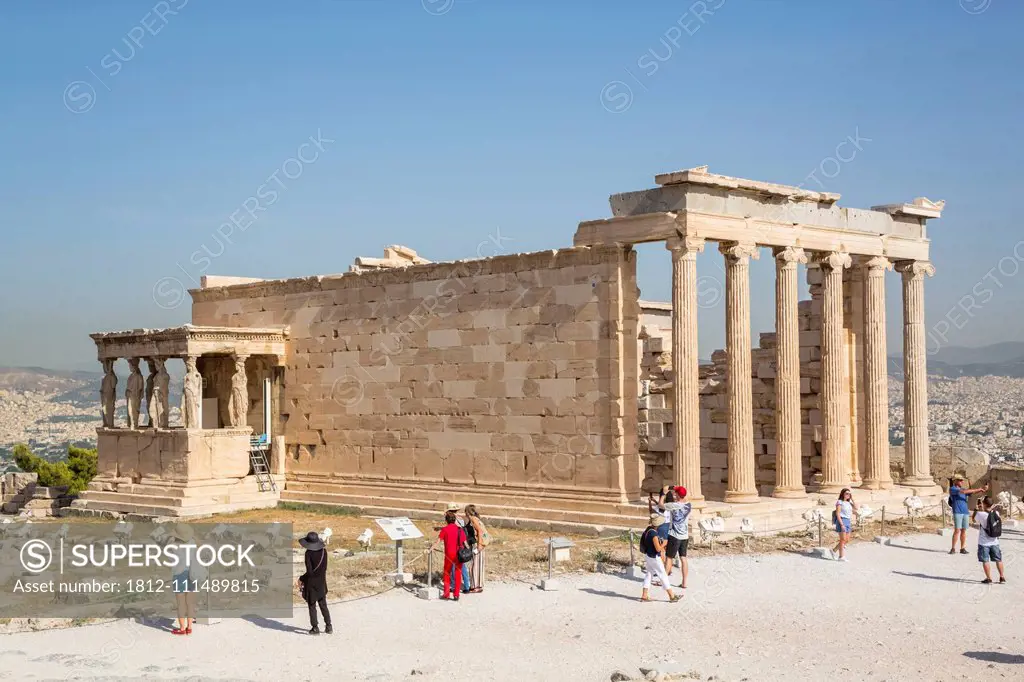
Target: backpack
<point>647,542</point>
<point>993,525</point>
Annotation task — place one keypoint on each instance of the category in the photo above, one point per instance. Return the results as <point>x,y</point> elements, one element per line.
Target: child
<point>653,546</point>
<point>454,538</point>
<point>990,527</point>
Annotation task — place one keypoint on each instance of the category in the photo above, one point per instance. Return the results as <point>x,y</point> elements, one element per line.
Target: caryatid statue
<point>150,378</point>
<point>133,394</point>
<point>238,405</point>
<point>108,394</point>
<point>191,395</point>
<point>159,415</point>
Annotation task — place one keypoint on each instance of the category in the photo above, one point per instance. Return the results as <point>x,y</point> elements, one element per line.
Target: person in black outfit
<point>314,582</point>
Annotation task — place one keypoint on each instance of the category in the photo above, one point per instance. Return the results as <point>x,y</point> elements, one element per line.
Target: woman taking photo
<point>842,517</point>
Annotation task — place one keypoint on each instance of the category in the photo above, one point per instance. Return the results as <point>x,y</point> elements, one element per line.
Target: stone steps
<point>433,510</point>
<point>121,507</point>
<point>171,501</point>
<point>442,494</point>
<point>247,485</point>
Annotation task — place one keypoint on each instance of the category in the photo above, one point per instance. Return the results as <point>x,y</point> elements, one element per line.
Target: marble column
<point>238,401</point>
<point>108,393</point>
<point>915,379</point>
<point>876,377</point>
<point>192,395</point>
<point>133,392</point>
<point>788,465</point>
<point>686,385</point>
<point>741,486</point>
<point>835,445</point>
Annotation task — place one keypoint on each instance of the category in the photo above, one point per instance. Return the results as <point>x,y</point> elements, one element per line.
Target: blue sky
<point>455,121</point>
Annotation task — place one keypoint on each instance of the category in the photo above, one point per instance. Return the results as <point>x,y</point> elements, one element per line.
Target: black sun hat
<point>311,541</point>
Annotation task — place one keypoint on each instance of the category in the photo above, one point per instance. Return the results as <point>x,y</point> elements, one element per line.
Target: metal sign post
<point>399,529</point>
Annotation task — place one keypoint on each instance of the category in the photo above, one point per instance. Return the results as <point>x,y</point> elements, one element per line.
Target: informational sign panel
<point>400,528</point>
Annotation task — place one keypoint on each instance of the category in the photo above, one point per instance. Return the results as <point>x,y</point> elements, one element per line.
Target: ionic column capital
<point>833,260</point>
<point>915,268</point>
<point>789,254</point>
<point>876,263</point>
<point>739,251</point>
<point>685,246</point>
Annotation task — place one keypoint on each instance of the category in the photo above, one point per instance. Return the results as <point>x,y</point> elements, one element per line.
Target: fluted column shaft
<point>915,382</point>
<point>835,444</point>
<point>788,467</point>
<point>741,485</point>
<point>686,386</point>
<point>876,379</point>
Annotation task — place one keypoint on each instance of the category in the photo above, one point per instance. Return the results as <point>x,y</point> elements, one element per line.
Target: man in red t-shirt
<point>453,538</point>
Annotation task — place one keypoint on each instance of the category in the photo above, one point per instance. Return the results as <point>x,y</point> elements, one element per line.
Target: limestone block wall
<point>655,414</point>
<point>516,371</point>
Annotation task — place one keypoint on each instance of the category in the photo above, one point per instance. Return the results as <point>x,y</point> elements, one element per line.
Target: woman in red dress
<point>453,538</point>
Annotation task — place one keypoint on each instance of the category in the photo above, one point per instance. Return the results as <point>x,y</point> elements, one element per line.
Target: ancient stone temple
<point>538,385</point>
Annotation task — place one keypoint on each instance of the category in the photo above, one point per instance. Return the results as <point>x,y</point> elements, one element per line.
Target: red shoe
<point>188,630</point>
<point>179,631</point>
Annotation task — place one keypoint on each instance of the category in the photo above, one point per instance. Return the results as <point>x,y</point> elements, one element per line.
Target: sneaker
<point>986,581</point>
<point>329,630</point>
<point>1002,581</point>
<point>964,551</point>
<point>952,551</point>
<point>314,631</point>
<point>842,558</point>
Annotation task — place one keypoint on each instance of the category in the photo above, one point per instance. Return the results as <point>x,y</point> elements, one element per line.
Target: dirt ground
<point>909,611</point>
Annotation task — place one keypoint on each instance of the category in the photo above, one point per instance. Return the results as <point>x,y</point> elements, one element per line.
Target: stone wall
<point>946,460</point>
<point>508,371</point>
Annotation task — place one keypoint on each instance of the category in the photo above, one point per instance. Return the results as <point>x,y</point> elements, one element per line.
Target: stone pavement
<point>909,611</point>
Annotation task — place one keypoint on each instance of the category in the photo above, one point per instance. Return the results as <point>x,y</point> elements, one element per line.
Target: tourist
<point>990,527</point>
<point>679,529</point>
<point>479,539</point>
<point>313,583</point>
<point>653,547</point>
<point>184,583</point>
<point>961,511</point>
<point>656,505</point>
<point>453,536</point>
<point>842,519</point>
<point>460,521</point>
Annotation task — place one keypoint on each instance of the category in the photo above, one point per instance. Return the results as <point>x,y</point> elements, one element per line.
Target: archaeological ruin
<point>538,385</point>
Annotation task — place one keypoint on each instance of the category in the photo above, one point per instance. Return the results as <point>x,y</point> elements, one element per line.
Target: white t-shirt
<point>983,539</point>
<point>845,509</point>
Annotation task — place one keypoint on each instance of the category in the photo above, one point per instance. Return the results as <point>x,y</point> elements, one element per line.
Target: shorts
<point>676,547</point>
<point>843,525</point>
<point>987,553</point>
<point>960,521</point>
<point>182,583</point>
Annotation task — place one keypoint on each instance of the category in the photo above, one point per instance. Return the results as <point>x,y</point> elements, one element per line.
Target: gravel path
<point>906,612</point>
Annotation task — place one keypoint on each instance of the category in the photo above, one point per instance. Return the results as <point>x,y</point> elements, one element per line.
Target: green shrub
<point>75,473</point>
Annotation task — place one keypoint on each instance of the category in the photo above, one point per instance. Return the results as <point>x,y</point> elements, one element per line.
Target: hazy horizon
<point>477,127</point>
